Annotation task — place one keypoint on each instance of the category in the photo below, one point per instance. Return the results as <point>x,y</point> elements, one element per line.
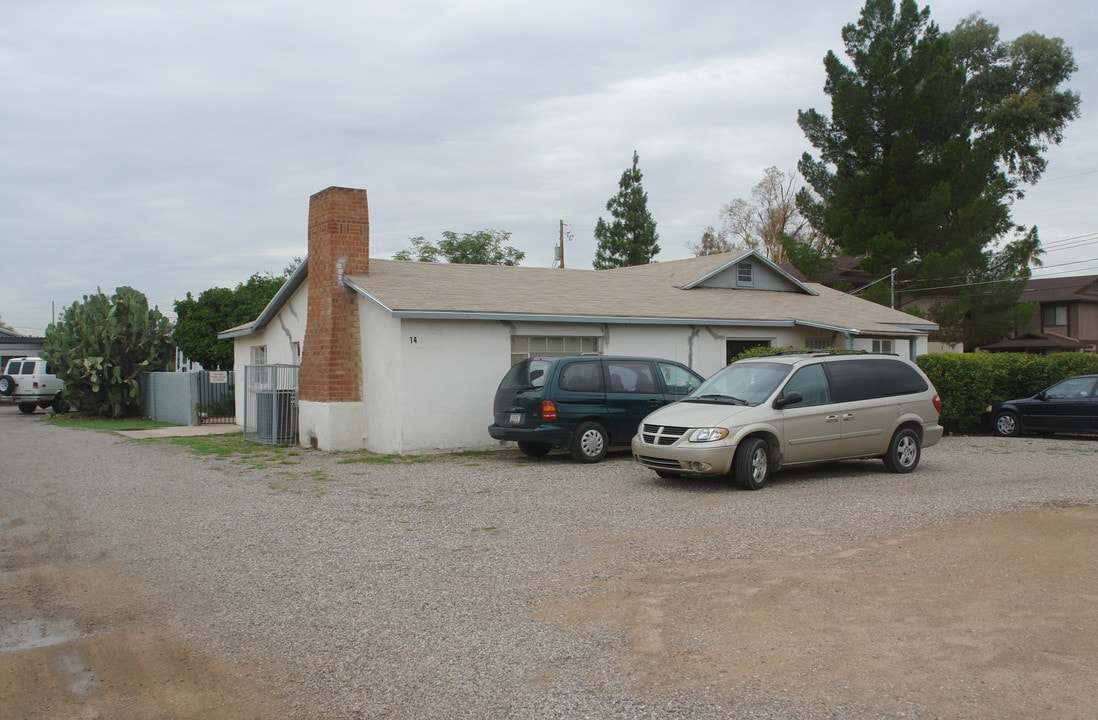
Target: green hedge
<point>969,382</point>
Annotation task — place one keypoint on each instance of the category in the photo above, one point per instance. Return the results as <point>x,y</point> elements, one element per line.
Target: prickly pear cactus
<point>100,347</point>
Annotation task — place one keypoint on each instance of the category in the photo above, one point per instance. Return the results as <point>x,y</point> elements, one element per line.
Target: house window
<point>734,348</point>
<point>817,343</point>
<point>882,346</point>
<point>1055,316</point>
<point>745,274</point>
<point>526,346</point>
<point>261,376</point>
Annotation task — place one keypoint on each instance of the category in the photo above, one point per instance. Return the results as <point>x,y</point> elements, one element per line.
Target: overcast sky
<point>173,147</point>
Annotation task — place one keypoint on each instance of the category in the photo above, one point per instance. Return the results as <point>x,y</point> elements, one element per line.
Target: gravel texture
<point>425,589</point>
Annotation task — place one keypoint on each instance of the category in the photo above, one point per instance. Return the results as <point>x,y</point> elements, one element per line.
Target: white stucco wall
<point>429,384</point>
<point>279,336</point>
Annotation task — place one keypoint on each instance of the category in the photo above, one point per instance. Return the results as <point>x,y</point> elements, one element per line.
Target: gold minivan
<point>761,414</point>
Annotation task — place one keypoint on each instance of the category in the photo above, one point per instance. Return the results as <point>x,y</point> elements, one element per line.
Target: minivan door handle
<point>848,416</point>
<point>832,418</point>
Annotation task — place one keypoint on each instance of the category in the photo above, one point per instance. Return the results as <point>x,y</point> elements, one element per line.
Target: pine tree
<point>631,238</point>
<point>931,138</point>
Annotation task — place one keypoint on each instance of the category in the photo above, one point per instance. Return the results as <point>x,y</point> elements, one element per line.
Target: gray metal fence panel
<point>270,404</point>
<point>216,397</point>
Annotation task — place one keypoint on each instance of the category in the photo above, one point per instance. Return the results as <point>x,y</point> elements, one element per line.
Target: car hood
<point>693,414</point>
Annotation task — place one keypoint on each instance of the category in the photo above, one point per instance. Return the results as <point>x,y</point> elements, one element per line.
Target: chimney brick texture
<point>339,243</point>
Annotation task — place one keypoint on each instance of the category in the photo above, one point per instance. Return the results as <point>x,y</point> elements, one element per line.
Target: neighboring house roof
<point>10,337</point>
<point>843,267</point>
<point>695,291</point>
<point>1083,288</point>
<point>1033,342</point>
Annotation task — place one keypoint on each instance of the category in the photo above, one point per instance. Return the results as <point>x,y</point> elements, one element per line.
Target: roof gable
<point>751,271</point>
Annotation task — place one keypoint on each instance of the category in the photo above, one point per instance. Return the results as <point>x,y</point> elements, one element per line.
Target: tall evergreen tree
<point>631,238</point>
<point>931,138</point>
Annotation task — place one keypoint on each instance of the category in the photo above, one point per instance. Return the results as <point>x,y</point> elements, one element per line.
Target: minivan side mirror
<point>791,399</point>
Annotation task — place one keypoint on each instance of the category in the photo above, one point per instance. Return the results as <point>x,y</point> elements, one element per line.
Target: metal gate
<point>270,406</point>
<point>216,397</point>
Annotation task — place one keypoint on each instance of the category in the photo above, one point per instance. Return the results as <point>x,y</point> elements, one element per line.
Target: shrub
<point>969,382</point>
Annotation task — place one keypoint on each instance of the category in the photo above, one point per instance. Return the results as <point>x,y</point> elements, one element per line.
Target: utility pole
<point>561,243</point>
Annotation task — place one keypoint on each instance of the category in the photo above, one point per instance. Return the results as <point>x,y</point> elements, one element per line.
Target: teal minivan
<point>584,403</point>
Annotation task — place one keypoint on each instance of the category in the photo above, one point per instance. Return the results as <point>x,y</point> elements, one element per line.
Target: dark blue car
<point>1068,406</point>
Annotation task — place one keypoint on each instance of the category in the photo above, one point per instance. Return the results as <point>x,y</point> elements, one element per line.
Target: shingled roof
<point>674,292</point>
<point>677,292</point>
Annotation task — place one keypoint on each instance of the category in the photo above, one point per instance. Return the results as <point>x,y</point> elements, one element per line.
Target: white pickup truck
<point>29,382</point>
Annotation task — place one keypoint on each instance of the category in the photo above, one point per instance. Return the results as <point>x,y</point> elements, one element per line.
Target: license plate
<point>516,418</point>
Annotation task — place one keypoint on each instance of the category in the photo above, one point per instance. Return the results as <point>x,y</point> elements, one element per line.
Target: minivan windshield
<point>741,384</point>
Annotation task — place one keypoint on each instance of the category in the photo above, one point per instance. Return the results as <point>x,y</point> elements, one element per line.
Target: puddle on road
<point>37,633</point>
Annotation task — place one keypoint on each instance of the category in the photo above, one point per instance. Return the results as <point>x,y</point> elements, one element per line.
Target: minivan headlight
<point>711,434</point>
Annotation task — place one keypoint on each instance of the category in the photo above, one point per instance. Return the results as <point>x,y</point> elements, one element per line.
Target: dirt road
<point>987,616</point>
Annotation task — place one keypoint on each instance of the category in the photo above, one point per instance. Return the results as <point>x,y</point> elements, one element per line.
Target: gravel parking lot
<point>141,580</point>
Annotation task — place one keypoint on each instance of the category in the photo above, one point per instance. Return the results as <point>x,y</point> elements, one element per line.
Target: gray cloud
<point>173,148</point>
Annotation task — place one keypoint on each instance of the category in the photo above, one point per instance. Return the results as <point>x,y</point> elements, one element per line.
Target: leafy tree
<point>5,326</point>
<point>101,346</point>
<point>631,238</point>
<point>770,220</point>
<point>712,242</point>
<point>484,247</point>
<point>931,138</point>
<point>198,321</point>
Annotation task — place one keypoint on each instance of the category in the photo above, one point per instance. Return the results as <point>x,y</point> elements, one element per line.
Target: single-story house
<point>404,357</point>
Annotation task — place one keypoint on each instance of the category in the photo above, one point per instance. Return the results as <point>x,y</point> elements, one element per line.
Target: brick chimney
<point>339,243</point>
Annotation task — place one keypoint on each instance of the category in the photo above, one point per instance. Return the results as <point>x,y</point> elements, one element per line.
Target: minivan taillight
<point>548,410</point>
<point>937,403</point>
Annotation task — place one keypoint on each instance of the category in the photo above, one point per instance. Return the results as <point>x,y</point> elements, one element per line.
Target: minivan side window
<point>899,378</point>
<point>854,380</point>
<point>811,383</point>
<point>585,376</point>
<point>28,367</point>
<point>632,376</point>
<point>677,380</point>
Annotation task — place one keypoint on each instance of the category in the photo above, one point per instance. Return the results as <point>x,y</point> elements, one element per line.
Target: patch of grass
<point>385,459</point>
<point>92,422</point>
<point>472,453</point>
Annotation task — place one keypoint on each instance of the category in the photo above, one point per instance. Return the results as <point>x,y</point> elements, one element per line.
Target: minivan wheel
<point>535,449</point>
<point>903,452</point>
<point>752,464</point>
<point>589,442</point>
<point>1006,424</point>
<point>27,408</point>
<point>7,385</point>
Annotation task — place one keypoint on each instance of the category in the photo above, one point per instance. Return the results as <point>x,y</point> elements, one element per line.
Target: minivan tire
<point>7,385</point>
<point>752,464</point>
<point>27,408</point>
<point>589,442</point>
<point>903,451</point>
<point>535,449</point>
